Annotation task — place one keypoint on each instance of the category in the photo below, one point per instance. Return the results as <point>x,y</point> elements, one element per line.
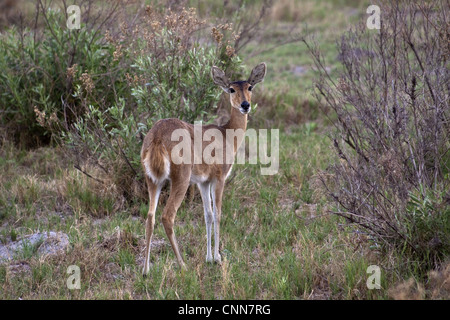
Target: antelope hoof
<point>218,259</point>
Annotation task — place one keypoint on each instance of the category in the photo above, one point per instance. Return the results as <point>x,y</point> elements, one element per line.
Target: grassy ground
<point>278,240</point>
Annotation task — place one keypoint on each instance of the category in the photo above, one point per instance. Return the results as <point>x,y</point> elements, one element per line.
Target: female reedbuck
<point>158,160</point>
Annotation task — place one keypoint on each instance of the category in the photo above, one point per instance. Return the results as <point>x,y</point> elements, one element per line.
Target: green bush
<point>177,86</point>
<point>41,68</point>
<point>428,225</point>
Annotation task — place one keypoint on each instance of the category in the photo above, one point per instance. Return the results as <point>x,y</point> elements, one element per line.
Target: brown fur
<point>242,93</point>
<point>158,140</point>
<point>154,155</point>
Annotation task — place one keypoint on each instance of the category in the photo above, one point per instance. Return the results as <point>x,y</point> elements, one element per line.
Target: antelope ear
<point>258,74</point>
<point>220,79</point>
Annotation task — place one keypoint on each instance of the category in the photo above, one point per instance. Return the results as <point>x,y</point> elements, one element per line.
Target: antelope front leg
<point>217,203</point>
<point>205,190</point>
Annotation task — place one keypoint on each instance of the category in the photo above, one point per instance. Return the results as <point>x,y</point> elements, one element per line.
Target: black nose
<point>245,105</point>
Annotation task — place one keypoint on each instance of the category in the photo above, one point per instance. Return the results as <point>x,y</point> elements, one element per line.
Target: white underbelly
<point>198,178</point>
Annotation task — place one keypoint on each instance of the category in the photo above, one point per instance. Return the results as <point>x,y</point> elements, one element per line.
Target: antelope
<point>158,165</point>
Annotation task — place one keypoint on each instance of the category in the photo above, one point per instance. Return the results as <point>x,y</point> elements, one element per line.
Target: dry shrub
<point>408,290</point>
<point>391,115</point>
<point>439,283</point>
<point>437,287</point>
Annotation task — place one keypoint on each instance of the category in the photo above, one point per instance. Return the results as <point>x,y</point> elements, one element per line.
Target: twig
<point>76,166</point>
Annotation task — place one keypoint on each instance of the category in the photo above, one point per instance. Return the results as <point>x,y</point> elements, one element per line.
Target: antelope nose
<point>245,105</point>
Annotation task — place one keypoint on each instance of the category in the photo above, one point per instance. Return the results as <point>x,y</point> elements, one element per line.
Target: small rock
<point>48,243</point>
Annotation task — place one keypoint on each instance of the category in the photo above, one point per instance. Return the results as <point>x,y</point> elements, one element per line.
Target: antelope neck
<point>237,120</point>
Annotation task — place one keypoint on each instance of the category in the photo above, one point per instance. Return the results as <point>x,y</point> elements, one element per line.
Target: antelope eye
<point>250,88</point>
<point>232,90</point>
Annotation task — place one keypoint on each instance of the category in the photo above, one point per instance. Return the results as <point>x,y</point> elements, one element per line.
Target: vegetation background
<point>363,118</point>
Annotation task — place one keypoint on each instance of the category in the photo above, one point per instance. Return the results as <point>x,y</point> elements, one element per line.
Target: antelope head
<point>240,91</point>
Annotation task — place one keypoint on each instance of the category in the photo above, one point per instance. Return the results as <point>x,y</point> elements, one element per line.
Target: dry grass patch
<point>436,286</point>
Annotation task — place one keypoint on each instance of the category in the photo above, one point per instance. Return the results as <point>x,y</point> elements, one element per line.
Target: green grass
<point>277,241</point>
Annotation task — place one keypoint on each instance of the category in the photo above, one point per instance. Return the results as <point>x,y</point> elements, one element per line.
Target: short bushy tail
<point>156,161</point>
